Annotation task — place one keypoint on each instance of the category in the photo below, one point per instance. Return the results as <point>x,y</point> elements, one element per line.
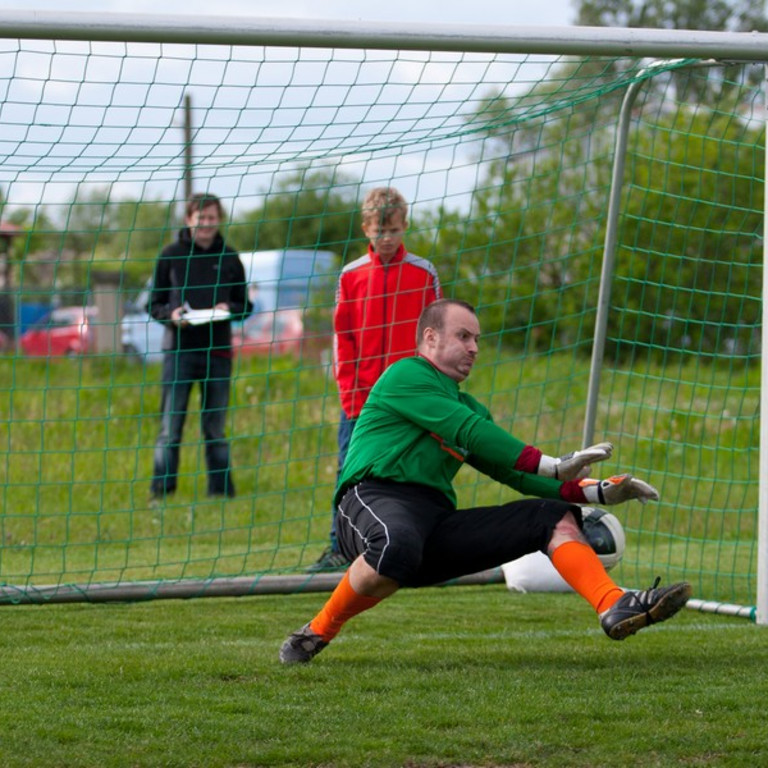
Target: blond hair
<point>381,203</point>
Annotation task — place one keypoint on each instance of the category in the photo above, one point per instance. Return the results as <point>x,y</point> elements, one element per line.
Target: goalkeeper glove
<point>576,464</point>
<point>616,489</point>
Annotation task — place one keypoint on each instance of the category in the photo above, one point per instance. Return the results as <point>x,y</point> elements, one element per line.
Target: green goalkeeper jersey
<point>417,426</point>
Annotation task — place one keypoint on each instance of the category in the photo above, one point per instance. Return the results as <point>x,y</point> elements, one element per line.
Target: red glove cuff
<point>528,460</point>
<point>572,491</point>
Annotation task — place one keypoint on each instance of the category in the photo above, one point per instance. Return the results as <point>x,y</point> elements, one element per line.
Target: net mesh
<point>506,161</point>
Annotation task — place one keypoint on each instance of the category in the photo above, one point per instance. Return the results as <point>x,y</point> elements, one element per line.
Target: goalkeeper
<point>398,522</point>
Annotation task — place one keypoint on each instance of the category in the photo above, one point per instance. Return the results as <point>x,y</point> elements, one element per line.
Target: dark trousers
<point>346,426</point>
<point>412,534</point>
<point>180,372</point>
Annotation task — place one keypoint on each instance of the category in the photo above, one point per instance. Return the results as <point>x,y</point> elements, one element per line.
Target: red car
<point>63,331</point>
<point>270,333</point>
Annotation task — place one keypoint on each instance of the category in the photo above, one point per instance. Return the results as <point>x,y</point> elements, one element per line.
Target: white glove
<point>616,489</point>
<point>576,464</point>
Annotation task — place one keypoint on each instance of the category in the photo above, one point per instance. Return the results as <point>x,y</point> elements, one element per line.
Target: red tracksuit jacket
<point>377,308</point>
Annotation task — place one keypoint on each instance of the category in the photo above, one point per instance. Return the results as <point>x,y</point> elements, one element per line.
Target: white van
<point>280,279</point>
<point>290,278</point>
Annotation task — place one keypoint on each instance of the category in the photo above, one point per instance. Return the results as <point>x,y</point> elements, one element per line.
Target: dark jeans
<point>180,372</point>
<point>346,426</point>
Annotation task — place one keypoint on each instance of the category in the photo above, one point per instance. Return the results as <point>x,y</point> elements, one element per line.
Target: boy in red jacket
<point>379,298</point>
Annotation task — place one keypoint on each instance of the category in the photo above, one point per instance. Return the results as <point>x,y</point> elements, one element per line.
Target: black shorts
<point>412,534</point>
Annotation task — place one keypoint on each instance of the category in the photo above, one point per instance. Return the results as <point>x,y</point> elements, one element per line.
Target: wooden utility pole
<point>188,183</point>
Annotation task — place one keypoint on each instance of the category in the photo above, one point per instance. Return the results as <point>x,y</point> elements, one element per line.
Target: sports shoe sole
<point>301,647</point>
<point>666,607</point>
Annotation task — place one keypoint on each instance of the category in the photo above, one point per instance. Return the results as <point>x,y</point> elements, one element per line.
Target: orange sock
<point>342,605</point>
<point>578,564</point>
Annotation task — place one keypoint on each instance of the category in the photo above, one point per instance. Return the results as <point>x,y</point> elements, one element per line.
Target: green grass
<point>436,678</point>
<point>78,440</point>
<point>459,676</point>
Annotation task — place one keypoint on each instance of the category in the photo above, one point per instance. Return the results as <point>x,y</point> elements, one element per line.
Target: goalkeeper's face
<point>453,348</point>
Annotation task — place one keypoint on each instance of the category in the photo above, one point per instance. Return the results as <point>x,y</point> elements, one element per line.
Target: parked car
<point>292,291</point>
<point>141,336</point>
<point>65,331</point>
<point>269,333</point>
<point>290,278</point>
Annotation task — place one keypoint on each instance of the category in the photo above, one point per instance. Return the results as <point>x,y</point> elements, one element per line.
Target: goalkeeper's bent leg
<point>343,604</point>
<point>581,568</point>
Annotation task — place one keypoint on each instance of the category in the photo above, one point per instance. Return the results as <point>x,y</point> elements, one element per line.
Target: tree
<point>308,209</point>
<point>689,264</point>
<point>726,15</point>
<point>140,230</point>
<point>538,217</point>
<point>716,15</point>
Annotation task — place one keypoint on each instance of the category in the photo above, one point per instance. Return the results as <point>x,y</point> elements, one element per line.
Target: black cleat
<point>301,647</point>
<point>635,610</point>
<point>329,562</point>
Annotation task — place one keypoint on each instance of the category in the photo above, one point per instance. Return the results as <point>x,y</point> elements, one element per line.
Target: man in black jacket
<point>199,287</point>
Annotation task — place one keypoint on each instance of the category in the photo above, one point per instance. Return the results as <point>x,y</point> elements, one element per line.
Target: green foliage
<point>691,215</point>
<point>139,230</point>
<point>307,209</point>
<point>530,249</point>
<point>733,15</point>
<point>123,236</point>
<point>37,228</point>
<point>710,85</point>
<point>689,263</point>
<point>94,233</point>
<point>471,676</point>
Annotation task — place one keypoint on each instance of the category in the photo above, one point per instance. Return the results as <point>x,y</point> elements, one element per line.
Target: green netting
<point>507,161</point>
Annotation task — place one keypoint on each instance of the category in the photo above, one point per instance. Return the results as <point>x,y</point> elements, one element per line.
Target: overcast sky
<point>496,12</point>
<point>78,137</point>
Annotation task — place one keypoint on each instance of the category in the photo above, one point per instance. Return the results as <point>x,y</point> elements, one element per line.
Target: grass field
<point>79,434</point>
<point>458,676</point>
<point>440,678</point>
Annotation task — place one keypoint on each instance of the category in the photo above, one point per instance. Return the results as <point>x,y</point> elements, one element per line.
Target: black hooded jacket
<point>186,274</point>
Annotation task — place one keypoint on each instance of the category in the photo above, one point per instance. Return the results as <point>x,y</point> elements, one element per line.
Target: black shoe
<point>635,610</point>
<point>301,647</point>
<point>329,562</point>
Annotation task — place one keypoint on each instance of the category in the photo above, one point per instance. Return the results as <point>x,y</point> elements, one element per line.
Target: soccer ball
<point>605,535</point>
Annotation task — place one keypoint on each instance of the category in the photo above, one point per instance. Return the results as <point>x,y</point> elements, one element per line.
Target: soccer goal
<point>603,210</point>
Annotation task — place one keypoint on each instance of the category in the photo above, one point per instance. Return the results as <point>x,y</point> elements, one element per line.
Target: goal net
<point>507,162</point>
